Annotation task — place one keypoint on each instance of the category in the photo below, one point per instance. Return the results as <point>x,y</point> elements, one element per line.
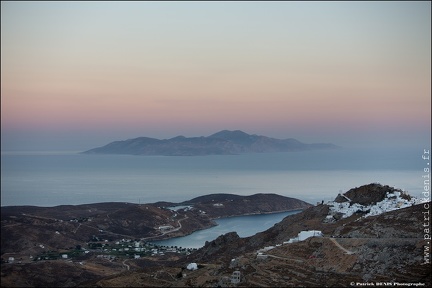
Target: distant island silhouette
<point>225,142</point>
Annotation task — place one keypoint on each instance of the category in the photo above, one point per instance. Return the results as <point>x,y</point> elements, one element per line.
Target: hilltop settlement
<point>372,235</point>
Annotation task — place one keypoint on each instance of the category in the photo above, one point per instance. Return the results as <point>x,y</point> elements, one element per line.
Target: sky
<point>78,75</point>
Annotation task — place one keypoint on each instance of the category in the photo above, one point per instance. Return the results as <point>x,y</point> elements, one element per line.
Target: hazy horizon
<point>57,143</point>
<point>78,75</point>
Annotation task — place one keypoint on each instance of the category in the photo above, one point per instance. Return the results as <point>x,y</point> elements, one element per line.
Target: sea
<point>51,178</point>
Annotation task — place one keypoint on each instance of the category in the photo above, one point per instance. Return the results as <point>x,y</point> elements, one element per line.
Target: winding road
<point>126,265</point>
<point>340,246</point>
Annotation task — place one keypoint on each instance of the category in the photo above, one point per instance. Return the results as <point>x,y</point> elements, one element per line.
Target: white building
<point>261,256</point>
<point>165,227</point>
<point>235,277</point>
<point>192,266</point>
<point>303,235</point>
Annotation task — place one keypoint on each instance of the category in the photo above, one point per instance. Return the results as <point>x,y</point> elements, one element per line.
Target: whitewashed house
<point>235,277</point>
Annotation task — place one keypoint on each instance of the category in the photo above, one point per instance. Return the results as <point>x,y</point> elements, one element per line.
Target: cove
<point>244,226</point>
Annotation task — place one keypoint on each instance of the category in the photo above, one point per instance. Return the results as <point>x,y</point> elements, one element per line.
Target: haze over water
<point>50,179</point>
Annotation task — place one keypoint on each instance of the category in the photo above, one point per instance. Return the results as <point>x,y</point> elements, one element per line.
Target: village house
<point>261,256</point>
<point>165,228</point>
<point>235,277</point>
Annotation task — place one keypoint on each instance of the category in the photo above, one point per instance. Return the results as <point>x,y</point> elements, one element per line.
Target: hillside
<point>221,143</point>
<point>388,246</point>
<point>385,248</point>
<point>227,205</point>
<point>332,222</point>
<point>369,234</point>
<point>65,226</point>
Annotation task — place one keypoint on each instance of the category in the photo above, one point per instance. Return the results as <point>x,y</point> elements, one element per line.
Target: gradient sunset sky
<point>76,75</point>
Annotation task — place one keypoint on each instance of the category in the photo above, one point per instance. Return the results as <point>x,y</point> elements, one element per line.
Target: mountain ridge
<point>224,142</point>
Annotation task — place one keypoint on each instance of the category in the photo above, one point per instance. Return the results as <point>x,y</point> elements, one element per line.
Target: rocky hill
<point>326,218</point>
<point>391,245</point>
<point>221,143</point>
<point>368,194</point>
<point>227,205</point>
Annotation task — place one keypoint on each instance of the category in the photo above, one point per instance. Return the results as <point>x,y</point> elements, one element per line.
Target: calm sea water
<point>244,226</point>
<point>58,178</point>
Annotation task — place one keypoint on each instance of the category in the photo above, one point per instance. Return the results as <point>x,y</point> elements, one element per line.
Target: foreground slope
<point>370,234</point>
<point>390,247</point>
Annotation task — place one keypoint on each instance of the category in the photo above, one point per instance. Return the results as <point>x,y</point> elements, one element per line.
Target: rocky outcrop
<point>223,245</point>
<point>368,194</point>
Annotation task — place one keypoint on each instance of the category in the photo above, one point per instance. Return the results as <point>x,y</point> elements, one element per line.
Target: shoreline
<point>227,217</point>
<point>261,213</point>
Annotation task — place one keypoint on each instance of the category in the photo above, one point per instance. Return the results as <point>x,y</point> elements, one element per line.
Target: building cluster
<point>137,248</point>
<point>108,250</point>
<point>302,235</point>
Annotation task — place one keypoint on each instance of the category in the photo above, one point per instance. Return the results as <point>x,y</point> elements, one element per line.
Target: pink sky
<point>318,72</point>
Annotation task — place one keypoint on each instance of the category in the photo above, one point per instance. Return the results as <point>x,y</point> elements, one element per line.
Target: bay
<point>244,226</point>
